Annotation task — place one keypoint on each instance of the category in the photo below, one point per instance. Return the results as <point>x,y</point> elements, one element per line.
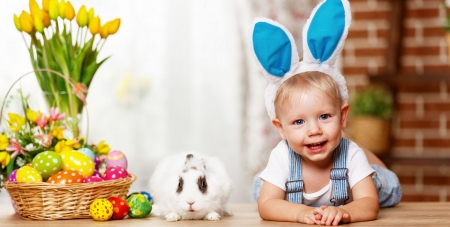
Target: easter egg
<point>114,173</point>
<point>116,158</point>
<point>47,163</point>
<point>92,179</point>
<point>101,209</point>
<point>97,162</point>
<point>97,173</point>
<point>87,152</point>
<point>120,207</point>
<point>66,177</point>
<point>147,196</point>
<point>28,174</point>
<point>78,161</point>
<point>12,176</point>
<point>140,207</point>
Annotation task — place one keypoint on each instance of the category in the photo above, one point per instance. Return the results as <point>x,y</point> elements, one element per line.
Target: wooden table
<point>405,214</point>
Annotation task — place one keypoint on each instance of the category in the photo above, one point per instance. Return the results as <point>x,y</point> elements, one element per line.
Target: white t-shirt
<point>277,172</point>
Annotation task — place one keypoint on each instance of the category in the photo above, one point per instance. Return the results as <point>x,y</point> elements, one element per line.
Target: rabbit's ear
<point>325,31</point>
<point>274,47</point>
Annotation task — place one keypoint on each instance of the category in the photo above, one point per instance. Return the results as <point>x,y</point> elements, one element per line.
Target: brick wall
<point>421,135</point>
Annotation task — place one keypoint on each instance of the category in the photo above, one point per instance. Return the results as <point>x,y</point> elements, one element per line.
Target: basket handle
<point>66,78</point>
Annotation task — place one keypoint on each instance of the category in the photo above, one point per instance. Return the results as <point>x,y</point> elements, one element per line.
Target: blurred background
<point>182,77</point>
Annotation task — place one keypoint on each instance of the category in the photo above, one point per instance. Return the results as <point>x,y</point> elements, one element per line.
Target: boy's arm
<point>365,204</point>
<point>272,206</point>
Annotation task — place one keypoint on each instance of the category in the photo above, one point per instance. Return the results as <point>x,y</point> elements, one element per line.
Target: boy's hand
<point>331,215</point>
<point>311,218</point>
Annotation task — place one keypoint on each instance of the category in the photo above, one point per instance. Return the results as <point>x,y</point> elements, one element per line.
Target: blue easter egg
<point>87,152</point>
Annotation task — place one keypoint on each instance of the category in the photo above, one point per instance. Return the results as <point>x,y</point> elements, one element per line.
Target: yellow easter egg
<point>78,161</point>
<point>101,209</point>
<point>28,174</point>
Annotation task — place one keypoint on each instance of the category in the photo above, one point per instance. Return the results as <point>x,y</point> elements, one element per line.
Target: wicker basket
<point>45,201</point>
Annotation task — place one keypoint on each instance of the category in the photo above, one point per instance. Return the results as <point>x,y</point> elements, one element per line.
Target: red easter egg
<point>92,179</point>
<point>120,207</point>
<point>66,177</point>
<point>114,173</point>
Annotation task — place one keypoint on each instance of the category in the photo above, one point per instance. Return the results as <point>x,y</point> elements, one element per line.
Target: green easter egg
<point>140,207</point>
<point>47,163</point>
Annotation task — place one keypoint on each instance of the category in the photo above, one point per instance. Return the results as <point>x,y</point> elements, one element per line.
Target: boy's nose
<point>314,129</point>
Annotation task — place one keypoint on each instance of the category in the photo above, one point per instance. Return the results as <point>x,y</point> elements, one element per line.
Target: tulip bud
<point>45,5</point>
<point>114,26</point>
<point>104,30</point>
<point>35,10</point>
<point>94,25</point>
<point>82,17</point>
<point>38,24</point>
<point>90,15</point>
<point>17,22</point>
<point>53,9</point>
<point>26,22</point>
<point>46,19</point>
<point>69,13</point>
<point>62,8</point>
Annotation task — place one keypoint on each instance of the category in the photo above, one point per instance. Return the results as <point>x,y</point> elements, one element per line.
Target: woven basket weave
<point>45,201</point>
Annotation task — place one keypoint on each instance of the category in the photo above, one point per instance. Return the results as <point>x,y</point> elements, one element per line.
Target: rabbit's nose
<point>190,203</point>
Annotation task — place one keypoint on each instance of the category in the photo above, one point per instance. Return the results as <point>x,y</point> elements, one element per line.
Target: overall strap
<point>294,187</point>
<point>338,174</point>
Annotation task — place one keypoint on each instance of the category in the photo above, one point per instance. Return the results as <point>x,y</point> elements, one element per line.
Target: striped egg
<point>116,158</point>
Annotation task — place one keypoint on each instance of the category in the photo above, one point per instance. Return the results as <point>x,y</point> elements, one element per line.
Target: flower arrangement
<point>55,42</point>
<point>33,132</point>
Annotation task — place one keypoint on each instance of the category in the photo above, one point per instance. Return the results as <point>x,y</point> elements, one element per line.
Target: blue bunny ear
<point>325,31</point>
<point>274,47</point>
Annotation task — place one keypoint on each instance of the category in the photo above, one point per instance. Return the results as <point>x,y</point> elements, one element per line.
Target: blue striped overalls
<point>338,175</point>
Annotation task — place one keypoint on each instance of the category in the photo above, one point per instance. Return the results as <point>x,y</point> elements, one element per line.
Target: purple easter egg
<point>115,173</point>
<point>97,174</point>
<point>97,162</point>
<point>92,179</point>
<point>12,176</point>
<point>116,158</point>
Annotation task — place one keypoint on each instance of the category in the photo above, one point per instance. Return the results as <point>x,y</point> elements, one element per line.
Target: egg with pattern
<point>92,179</point>
<point>87,152</point>
<point>47,163</point>
<point>28,174</point>
<point>12,176</point>
<point>120,207</point>
<point>66,177</point>
<point>101,209</point>
<point>115,173</point>
<point>116,158</point>
<point>77,161</point>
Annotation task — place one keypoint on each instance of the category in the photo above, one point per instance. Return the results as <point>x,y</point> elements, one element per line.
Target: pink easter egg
<point>92,179</point>
<point>12,176</point>
<point>116,158</point>
<point>114,173</point>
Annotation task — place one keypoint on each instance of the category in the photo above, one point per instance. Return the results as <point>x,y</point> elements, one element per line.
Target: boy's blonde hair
<point>307,81</point>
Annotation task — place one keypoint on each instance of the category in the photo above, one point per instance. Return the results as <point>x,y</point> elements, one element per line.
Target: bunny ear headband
<point>323,39</point>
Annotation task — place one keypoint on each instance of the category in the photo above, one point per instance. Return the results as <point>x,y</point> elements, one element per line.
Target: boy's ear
<point>276,122</point>
<point>344,114</point>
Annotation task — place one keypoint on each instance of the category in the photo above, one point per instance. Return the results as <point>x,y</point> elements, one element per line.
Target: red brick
<point>431,143</point>
<point>375,15</point>
<point>352,34</point>
<point>426,32</point>
<point>426,13</point>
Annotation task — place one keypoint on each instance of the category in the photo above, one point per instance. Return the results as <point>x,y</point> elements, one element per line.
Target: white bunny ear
<point>276,52</point>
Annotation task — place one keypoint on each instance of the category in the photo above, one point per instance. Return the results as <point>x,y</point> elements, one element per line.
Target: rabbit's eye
<point>202,184</point>
<point>180,185</point>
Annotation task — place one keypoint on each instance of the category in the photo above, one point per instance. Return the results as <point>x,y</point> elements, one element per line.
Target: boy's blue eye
<point>299,122</point>
<point>324,116</point>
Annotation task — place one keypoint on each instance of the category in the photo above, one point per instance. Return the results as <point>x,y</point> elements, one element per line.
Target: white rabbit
<point>190,186</point>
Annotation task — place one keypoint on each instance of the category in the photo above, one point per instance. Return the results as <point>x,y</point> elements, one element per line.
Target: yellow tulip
<point>4,142</point>
<point>45,5</point>
<point>82,17</point>
<point>104,30</point>
<point>32,115</point>
<point>61,147</point>
<point>114,26</point>
<point>103,148</point>
<point>69,13</point>
<point>62,8</point>
<point>26,22</point>
<point>17,22</point>
<point>53,9</point>
<point>94,25</point>
<point>58,133</point>
<point>15,122</point>
<point>46,19</point>
<point>90,15</point>
<point>38,24</point>
<point>4,158</point>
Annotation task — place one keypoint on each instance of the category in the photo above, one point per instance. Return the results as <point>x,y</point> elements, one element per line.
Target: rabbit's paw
<point>173,217</point>
<point>212,216</point>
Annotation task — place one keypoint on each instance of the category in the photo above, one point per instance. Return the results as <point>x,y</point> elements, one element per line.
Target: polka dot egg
<point>116,158</point>
<point>77,161</point>
<point>140,207</point>
<point>12,176</point>
<point>66,177</point>
<point>47,163</point>
<point>114,173</point>
<point>28,174</point>
<point>120,206</point>
<point>92,179</point>
<point>87,152</point>
<point>101,209</point>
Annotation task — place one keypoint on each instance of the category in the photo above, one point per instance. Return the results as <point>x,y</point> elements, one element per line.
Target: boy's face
<point>311,124</point>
